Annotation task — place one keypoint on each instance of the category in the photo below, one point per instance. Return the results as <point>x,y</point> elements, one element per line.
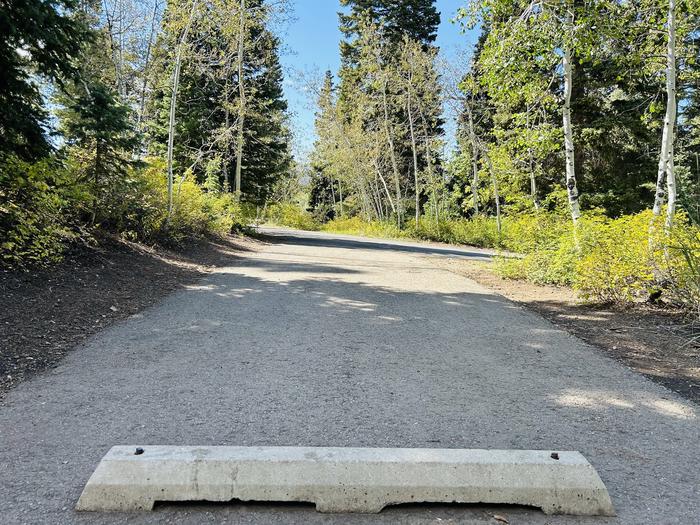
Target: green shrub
<point>357,226</point>
<point>519,234</point>
<point>613,260</point>
<point>290,215</point>
<point>616,263</point>
<point>479,231</point>
<point>196,212</point>
<point>35,205</point>
<point>534,231</point>
<point>683,266</point>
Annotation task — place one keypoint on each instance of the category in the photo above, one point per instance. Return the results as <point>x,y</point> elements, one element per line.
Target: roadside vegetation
<point>156,122</point>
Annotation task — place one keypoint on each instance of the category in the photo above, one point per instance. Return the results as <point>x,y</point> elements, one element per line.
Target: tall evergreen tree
<point>94,123</point>
<point>415,19</point>
<point>39,40</point>
<point>322,193</point>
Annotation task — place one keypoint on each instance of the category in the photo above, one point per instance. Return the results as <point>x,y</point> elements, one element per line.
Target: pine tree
<point>266,155</point>
<point>95,124</point>
<point>322,193</point>
<point>415,19</point>
<point>39,40</point>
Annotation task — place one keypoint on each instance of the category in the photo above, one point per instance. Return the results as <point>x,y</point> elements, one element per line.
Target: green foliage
<point>519,233</point>
<point>38,41</point>
<point>290,215</point>
<point>42,205</point>
<point>209,101</point>
<point>613,260</point>
<point>357,226</point>
<point>379,137</point>
<point>34,212</point>
<point>684,270</point>
<point>196,213</point>
<point>616,263</point>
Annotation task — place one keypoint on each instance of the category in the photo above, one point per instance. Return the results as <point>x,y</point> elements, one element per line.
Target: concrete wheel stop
<point>361,480</point>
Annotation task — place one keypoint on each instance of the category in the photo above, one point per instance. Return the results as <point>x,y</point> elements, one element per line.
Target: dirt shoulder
<point>656,342</point>
<point>46,313</point>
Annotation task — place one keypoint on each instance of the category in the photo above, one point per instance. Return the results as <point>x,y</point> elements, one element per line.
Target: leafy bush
<point>616,263</point>
<point>613,260</point>
<point>291,215</point>
<point>196,213</point>
<point>357,226</point>
<point>480,231</point>
<point>683,268</point>
<point>35,206</point>
<point>519,234</point>
<point>43,206</point>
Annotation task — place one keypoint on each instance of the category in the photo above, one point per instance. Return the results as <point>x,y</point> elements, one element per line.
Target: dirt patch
<point>660,343</point>
<point>46,313</point>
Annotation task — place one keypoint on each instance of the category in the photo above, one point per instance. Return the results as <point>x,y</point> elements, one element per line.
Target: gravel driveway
<point>320,340</point>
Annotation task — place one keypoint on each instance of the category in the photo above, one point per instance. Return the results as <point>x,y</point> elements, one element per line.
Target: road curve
<point>327,340</point>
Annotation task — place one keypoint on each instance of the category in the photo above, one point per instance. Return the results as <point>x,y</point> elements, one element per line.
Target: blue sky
<point>311,47</point>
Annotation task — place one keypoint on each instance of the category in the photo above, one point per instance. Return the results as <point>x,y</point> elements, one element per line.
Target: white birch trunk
<point>173,106</point>
<point>496,193</point>
<point>533,182</point>
<point>415,154</point>
<point>666,165</point>
<point>475,162</point>
<point>671,182</point>
<point>392,153</point>
<point>571,187</point>
<point>242,101</point>
<point>386,187</point>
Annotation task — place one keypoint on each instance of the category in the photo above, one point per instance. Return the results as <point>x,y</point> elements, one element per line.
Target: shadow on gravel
<point>518,353</point>
<point>370,244</point>
<point>295,267</point>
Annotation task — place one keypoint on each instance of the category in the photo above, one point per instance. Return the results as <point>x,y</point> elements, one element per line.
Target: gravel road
<point>321,340</point>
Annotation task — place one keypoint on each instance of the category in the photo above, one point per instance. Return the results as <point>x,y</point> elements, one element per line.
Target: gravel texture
<point>319,340</point>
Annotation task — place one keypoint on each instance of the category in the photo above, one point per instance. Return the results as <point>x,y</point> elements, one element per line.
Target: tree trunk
<point>571,188</point>
<point>392,153</point>
<point>496,193</point>
<point>333,195</point>
<point>531,167</point>
<point>415,154</point>
<point>672,192</point>
<point>475,161</point>
<point>173,106</point>
<point>241,104</point>
<point>227,124</point>
<point>666,165</point>
<point>340,191</point>
<point>386,188</point>
<point>429,164</point>
<point>146,66</point>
